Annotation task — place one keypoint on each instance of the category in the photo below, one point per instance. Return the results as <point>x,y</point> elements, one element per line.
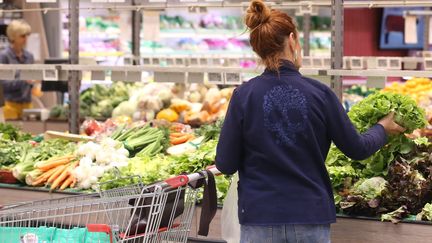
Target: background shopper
<point>17,93</point>
<point>277,134</point>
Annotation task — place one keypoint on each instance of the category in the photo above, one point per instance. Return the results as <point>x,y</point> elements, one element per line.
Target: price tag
<point>327,62</point>
<point>382,63</point>
<point>31,75</point>
<point>170,62</point>
<point>179,62</point>
<point>127,60</point>
<point>233,78</point>
<point>146,61</point>
<point>165,77</point>
<point>50,75</point>
<point>217,61</point>
<point>233,62</point>
<point>411,30</point>
<point>204,62</point>
<point>7,74</point>
<point>430,32</point>
<point>41,1</point>
<point>428,63</point>
<point>376,82</point>
<point>395,63</point>
<point>133,76</point>
<point>215,78</point>
<point>156,61</point>
<point>194,61</point>
<point>317,62</point>
<point>98,75</point>
<point>195,77</point>
<point>118,75</point>
<point>157,1</point>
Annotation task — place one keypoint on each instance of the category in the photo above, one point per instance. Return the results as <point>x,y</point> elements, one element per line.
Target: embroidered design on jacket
<point>285,113</point>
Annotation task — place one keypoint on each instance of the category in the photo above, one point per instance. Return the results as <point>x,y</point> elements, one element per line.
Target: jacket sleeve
<point>230,148</point>
<point>10,85</point>
<point>345,136</point>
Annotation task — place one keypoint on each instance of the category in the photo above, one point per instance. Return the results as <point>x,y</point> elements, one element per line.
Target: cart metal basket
<point>161,212</point>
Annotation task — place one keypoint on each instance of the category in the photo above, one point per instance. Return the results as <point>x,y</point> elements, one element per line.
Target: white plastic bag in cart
<point>229,217</point>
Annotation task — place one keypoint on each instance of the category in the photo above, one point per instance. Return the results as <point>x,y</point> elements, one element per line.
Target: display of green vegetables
<point>100,100</point>
<point>364,115</point>
<point>394,182</point>
<point>142,140</point>
<point>12,133</point>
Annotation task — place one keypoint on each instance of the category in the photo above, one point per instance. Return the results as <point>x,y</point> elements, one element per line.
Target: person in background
<point>277,133</point>
<point>17,93</point>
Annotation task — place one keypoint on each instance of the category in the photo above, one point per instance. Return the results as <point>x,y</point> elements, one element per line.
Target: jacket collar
<point>287,67</point>
<point>25,55</point>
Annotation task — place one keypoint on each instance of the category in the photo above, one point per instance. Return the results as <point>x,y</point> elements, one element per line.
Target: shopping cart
<point>161,212</point>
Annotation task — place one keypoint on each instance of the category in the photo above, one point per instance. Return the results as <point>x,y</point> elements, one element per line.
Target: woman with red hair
<point>277,133</point>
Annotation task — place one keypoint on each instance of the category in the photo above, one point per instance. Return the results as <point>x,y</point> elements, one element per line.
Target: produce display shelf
<point>38,127</point>
<point>39,189</point>
<point>347,229</point>
<point>15,193</point>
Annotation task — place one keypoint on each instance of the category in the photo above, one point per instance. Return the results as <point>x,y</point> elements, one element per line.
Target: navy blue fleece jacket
<point>276,134</point>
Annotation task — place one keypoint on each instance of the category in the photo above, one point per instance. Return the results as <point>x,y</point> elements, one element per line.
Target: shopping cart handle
<point>213,169</point>
<point>177,181</point>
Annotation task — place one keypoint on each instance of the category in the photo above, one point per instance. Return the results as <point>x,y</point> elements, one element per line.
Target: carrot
<point>73,182</point>
<point>65,173</point>
<point>58,171</point>
<point>43,177</point>
<point>179,140</point>
<point>55,163</point>
<point>191,137</point>
<point>176,134</point>
<point>46,174</point>
<point>67,182</point>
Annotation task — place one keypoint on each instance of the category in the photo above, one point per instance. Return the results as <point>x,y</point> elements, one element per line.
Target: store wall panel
<point>362,33</point>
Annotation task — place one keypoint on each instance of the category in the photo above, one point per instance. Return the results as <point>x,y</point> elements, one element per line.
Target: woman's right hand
<point>390,126</point>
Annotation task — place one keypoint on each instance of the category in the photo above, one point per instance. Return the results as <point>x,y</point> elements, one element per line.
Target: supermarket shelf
<point>204,34</point>
<point>7,68</point>
<point>380,73</point>
<point>98,54</point>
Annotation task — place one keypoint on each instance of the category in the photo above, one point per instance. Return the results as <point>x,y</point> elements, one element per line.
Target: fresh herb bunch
<point>10,132</point>
<point>210,131</point>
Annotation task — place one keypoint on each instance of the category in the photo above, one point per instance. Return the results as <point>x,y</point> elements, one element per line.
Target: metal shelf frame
<point>74,71</point>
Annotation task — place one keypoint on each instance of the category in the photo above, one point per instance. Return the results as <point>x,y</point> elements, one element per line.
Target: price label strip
<point>216,78</point>
<point>194,77</point>
<point>133,76</point>
<point>170,61</point>
<point>146,61</point>
<point>179,62</point>
<point>118,75</point>
<point>50,75</point>
<point>174,77</point>
<point>233,78</point>
<point>31,75</point>
<point>204,62</point>
<point>7,74</point>
<point>194,61</point>
<point>98,75</point>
